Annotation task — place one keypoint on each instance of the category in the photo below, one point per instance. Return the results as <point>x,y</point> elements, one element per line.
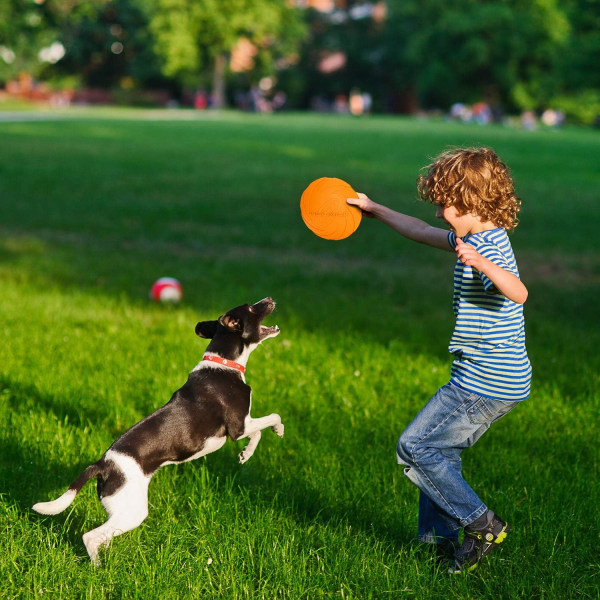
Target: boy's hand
<point>505,282</point>
<point>365,204</point>
<point>468,255</point>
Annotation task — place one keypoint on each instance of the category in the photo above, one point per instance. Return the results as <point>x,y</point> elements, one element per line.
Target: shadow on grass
<point>26,472</point>
<point>26,398</point>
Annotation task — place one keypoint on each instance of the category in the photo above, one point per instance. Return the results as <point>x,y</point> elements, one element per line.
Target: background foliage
<point>407,54</point>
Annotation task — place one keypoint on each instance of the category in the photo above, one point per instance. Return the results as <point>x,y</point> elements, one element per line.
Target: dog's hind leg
<point>116,525</point>
<point>127,507</point>
<point>101,537</point>
<point>127,511</point>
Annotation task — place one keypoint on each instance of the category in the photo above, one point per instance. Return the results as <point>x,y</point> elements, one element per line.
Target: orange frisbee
<point>325,211</point>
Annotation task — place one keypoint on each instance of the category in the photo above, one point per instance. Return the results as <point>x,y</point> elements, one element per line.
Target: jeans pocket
<point>488,410</point>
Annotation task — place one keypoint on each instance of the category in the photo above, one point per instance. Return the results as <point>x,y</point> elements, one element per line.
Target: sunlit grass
<point>94,209</point>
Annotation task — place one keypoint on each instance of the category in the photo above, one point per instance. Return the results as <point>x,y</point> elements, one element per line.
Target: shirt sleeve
<point>452,240</point>
<point>493,254</point>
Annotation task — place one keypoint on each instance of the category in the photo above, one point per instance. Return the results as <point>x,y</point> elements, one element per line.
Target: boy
<point>491,373</point>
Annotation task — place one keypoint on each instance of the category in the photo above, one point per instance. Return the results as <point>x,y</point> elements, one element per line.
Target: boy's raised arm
<point>407,226</point>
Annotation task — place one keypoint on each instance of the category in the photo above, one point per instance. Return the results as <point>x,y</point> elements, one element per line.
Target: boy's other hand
<point>468,255</point>
<point>363,202</point>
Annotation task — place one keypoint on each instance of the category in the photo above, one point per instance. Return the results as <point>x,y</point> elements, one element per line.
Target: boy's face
<point>460,224</point>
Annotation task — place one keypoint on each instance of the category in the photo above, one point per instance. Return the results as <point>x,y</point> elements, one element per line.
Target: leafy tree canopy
<point>195,36</point>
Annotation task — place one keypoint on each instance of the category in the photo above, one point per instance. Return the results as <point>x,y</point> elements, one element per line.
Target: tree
<point>505,51</point>
<point>579,63</point>
<point>25,29</point>
<point>579,76</point>
<point>98,43</point>
<point>195,37</point>
<point>111,46</point>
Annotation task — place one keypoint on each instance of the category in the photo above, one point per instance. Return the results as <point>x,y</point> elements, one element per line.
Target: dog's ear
<point>231,323</point>
<point>206,329</point>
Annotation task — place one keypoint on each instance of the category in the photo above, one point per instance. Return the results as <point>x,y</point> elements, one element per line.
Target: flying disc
<point>325,211</point>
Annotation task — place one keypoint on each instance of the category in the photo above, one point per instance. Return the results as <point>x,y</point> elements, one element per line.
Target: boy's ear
<point>231,323</point>
<point>206,329</point>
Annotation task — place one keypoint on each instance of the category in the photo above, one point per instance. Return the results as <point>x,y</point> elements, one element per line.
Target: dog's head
<point>239,328</point>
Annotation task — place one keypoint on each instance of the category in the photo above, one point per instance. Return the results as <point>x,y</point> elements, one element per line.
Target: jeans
<point>430,448</point>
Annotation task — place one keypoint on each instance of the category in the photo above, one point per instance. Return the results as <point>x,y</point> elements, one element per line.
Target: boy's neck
<point>477,225</point>
<point>487,226</point>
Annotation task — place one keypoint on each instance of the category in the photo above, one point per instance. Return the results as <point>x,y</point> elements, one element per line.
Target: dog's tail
<point>56,506</point>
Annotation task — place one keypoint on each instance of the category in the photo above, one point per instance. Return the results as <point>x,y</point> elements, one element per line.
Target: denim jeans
<point>430,448</point>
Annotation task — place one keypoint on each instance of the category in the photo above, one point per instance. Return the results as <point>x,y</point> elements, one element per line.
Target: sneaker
<point>478,543</point>
<point>446,549</point>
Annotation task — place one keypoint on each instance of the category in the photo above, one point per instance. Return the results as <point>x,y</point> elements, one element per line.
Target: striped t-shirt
<point>488,341</point>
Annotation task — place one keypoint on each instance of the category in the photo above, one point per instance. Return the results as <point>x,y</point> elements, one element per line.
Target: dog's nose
<point>264,306</point>
<point>267,300</point>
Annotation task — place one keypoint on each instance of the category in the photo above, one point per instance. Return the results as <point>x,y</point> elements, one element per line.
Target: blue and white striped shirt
<point>488,341</point>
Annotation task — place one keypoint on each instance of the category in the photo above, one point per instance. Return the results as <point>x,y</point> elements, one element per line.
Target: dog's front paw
<point>278,429</point>
<point>243,456</point>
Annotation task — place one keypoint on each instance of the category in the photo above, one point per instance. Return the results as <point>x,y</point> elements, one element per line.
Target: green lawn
<point>96,205</point>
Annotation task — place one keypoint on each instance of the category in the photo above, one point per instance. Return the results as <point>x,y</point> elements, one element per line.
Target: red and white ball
<point>166,289</point>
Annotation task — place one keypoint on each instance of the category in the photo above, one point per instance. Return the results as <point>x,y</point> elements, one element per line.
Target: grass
<point>96,205</point>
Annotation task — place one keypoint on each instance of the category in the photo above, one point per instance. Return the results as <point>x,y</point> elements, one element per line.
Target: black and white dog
<point>212,405</point>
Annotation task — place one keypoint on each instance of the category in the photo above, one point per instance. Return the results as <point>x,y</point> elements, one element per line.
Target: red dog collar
<point>224,362</point>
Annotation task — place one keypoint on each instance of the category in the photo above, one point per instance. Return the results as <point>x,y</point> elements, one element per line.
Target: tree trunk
<point>406,101</point>
<point>218,88</point>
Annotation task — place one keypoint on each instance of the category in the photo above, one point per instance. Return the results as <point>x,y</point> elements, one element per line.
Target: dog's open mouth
<point>263,308</point>
<point>269,331</point>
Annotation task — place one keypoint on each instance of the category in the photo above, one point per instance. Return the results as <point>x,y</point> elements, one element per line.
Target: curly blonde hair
<point>475,181</point>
